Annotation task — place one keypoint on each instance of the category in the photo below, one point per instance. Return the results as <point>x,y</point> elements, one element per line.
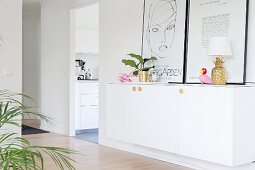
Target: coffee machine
<point>81,72</point>
<point>79,67</point>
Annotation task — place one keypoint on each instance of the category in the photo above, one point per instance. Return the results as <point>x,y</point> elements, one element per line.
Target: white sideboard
<point>209,123</point>
<point>86,105</point>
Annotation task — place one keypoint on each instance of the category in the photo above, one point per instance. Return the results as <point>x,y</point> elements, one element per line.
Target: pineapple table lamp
<point>219,47</point>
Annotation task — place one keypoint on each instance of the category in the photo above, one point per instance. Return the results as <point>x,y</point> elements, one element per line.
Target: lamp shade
<point>219,46</point>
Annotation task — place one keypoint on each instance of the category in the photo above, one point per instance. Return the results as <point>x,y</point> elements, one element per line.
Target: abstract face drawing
<point>161,27</point>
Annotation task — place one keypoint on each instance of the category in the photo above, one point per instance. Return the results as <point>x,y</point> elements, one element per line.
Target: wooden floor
<point>96,157</point>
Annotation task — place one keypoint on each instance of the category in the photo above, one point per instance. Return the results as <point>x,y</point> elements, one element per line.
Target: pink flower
<point>123,77</point>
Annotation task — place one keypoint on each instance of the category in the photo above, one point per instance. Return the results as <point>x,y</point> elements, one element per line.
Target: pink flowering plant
<point>139,64</point>
<point>124,77</point>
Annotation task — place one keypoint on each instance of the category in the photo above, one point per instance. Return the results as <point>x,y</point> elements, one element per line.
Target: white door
<point>206,124</point>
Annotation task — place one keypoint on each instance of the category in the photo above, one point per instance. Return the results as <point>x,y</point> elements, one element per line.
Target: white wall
<point>11,54</point>
<point>86,41</point>
<point>251,41</point>
<point>31,58</point>
<point>55,61</point>
<point>87,29</point>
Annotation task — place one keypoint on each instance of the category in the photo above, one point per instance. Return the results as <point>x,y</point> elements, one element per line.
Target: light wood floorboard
<point>96,157</point>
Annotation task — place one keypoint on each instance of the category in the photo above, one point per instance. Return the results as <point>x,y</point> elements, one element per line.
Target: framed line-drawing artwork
<point>220,18</point>
<point>164,30</point>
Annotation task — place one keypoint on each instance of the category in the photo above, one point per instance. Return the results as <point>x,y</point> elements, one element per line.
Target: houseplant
<point>1,42</point>
<point>140,66</point>
<point>17,153</point>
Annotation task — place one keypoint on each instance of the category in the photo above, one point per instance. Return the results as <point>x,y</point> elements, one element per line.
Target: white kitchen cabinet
<point>88,87</point>
<point>136,115</point>
<point>89,117</point>
<point>89,100</point>
<point>86,105</point>
<point>210,123</point>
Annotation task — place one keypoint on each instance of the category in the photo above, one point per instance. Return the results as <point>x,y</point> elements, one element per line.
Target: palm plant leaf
<point>17,153</point>
<point>2,43</point>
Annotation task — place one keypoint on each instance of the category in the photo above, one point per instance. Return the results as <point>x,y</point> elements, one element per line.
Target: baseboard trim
<point>147,152</point>
<point>169,157</point>
<point>86,131</point>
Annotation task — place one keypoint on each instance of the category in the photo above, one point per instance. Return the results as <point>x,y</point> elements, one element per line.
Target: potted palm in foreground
<point>140,67</point>
<point>16,153</point>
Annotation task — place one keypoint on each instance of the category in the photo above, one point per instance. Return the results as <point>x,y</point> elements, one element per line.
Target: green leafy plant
<point>140,64</point>
<point>17,153</point>
<point>2,43</point>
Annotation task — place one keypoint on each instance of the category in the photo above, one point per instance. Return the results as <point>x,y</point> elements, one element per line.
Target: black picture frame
<point>184,43</point>
<point>244,47</point>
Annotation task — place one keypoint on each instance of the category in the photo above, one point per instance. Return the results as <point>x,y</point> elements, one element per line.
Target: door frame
<point>72,78</point>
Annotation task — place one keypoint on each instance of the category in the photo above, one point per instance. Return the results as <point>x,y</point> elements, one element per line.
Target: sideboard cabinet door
<point>206,124</point>
<point>119,102</point>
<point>146,116</point>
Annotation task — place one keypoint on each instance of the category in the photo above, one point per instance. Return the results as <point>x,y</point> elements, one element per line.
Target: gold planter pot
<point>144,76</point>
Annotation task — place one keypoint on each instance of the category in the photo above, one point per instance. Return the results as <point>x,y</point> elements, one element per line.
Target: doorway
<point>31,19</point>
<point>84,69</point>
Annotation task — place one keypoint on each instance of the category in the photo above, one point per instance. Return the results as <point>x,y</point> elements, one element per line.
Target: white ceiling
<point>31,7</point>
<point>88,17</point>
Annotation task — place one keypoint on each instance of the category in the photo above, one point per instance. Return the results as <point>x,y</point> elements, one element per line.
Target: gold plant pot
<point>144,76</point>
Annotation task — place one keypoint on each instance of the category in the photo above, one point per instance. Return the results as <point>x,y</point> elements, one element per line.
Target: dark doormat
<point>26,130</point>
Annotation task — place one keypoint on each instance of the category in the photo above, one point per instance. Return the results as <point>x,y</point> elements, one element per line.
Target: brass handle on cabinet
<point>140,89</point>
<point>181,91</point>
<point>134,88</point>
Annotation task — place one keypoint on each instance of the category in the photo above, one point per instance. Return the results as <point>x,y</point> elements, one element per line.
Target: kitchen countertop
<point>86,81</point>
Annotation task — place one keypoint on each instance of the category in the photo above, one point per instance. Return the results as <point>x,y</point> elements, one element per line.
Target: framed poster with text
<point>164,37</point>
<point>222,18</point>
